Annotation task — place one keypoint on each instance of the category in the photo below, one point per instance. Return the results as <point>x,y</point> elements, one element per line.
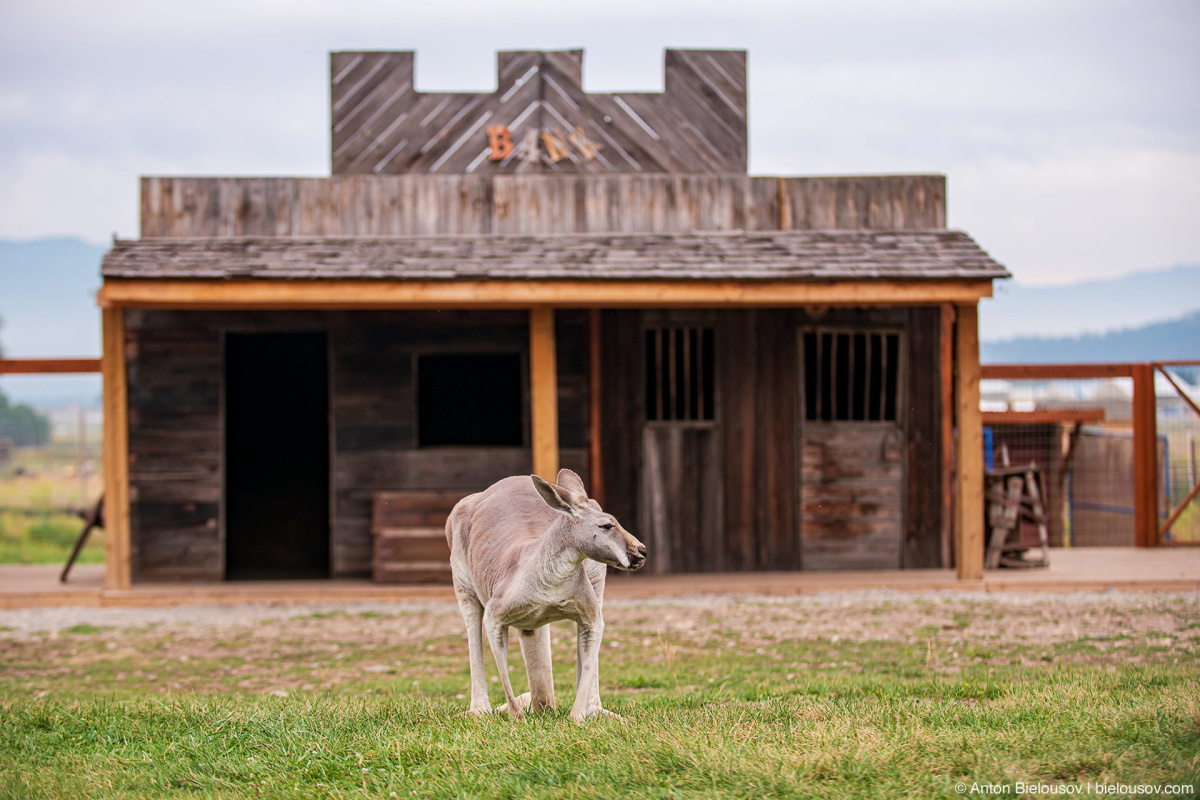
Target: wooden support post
<point>595,457</point>
<point>1145,457</point>
<point>946,347</point>
<point>116,451</point>
<point>969,497</point>
<point>543,392</point>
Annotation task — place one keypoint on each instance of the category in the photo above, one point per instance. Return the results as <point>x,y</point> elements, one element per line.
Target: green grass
<point>148,713</point>
<point>42,480</point>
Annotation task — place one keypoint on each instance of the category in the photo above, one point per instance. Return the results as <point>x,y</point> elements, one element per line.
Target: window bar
<point>867,378</point>
<point>833,377</point>
<point>819,338</point>
<point>883,372</point>
<point>850,377</point>
<point>658,381</point>
<point>688,413</point>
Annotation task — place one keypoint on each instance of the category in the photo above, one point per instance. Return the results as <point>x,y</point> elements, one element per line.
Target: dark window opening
<point>680,366</point>
<point>469,399</point>
<point>851,376</point>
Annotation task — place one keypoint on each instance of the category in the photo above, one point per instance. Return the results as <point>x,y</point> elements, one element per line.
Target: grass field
<point>34,487</point>
<point>720,699</point>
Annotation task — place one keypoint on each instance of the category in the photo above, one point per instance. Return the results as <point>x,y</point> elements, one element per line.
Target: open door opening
<point>276,456</point>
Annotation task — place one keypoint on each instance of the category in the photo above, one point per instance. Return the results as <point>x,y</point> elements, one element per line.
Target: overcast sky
<point>1069,131</point>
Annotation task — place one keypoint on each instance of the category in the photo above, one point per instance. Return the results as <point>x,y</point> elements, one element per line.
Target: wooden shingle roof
<point>710,256</point>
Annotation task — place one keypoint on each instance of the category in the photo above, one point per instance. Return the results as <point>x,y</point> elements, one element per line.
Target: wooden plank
<point>1145,457</point>
<point>969,490</point>
<point>116,451</point>
<point>391,205</point>
<point>946,385</point>
<point>923,431</point>
<point>1044,416</point>
<point>595,429</point>
<point>543,392</point>
<point>736,379</point>
<point>48,366</point>
<point>776,440</point>
<point>351,294</point>
<point>1047,372</point>
<point>622,404</point>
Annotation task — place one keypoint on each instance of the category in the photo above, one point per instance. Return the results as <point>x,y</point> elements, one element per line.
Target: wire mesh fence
<point>1082,444</point>
<point>51,436</point>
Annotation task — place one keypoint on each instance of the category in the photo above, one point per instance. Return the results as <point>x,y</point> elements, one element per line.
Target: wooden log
<point>116,451</point>
<point>499,294</point>
<point>595,432</point>
<point>969,517</point>
<point>48,366</point>
<point>543,392</point>
<point>946,345</point>
<point>1044,372</point>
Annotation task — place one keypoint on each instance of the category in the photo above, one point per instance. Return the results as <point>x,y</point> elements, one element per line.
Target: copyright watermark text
<point>1020,788</point>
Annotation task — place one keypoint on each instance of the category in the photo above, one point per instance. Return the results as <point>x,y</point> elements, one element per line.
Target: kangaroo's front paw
<point>518,711</point>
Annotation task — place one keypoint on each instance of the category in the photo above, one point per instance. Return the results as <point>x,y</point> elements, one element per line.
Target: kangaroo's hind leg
<point>472,614</point>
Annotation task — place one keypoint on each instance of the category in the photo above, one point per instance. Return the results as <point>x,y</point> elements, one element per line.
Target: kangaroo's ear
<point>571,482</point>
<point>550,494</point>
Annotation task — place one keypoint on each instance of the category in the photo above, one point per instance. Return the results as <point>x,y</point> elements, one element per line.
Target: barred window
<point>851,375</point>
<point>679,374</point>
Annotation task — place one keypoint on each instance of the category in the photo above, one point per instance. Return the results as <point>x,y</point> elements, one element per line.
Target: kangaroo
<point>525,553</point>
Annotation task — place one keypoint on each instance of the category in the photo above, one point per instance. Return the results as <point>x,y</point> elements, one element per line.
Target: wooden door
<point>852,448</point>
<point>681,514</point>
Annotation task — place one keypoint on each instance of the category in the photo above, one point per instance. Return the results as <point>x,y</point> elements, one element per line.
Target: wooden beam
<point>47,366</point>
<point>1048,372</point>
<point>1145,457</point>
<point>595,455</point>
<point>1044,416</point>
<point>543,392</point>
<point>116,451</point>
<point>969,499</point>
<point>946,346</point>
<point>353,294</point>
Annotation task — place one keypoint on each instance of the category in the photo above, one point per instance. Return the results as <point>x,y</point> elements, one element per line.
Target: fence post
<point>1145,457</point>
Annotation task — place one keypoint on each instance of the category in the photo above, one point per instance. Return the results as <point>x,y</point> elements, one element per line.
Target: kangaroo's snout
<point>637,554</point>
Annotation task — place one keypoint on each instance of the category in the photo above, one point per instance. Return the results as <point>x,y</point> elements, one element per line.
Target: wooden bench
<point>408,530</point>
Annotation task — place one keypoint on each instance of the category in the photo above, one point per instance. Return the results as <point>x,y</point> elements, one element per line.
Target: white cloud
<point>1080,214</point>
<point>54,194</point>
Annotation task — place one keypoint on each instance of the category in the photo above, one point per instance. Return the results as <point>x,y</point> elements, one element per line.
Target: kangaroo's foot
<point>523,701</point>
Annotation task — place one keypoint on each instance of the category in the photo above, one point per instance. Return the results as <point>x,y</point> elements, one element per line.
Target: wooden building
<point>753,373</point>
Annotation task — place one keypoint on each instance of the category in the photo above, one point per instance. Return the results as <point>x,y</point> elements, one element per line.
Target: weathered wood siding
<point>776,469</point>
<point>402,205</point>
<point>176,436</point>
<point>380,124</point>
<point>924,501</point>
<point>175,446</point>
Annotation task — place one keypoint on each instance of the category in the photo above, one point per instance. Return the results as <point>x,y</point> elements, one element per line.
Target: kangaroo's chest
<point>545,605</point>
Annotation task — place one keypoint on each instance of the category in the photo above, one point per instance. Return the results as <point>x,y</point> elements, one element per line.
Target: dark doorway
<point>276,456</point>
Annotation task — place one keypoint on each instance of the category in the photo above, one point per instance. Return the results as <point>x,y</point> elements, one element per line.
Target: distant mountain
<point>1163,341</point>
<point>1100,306</point>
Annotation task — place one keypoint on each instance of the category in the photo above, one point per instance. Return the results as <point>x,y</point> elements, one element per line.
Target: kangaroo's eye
<point>607,526</point>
